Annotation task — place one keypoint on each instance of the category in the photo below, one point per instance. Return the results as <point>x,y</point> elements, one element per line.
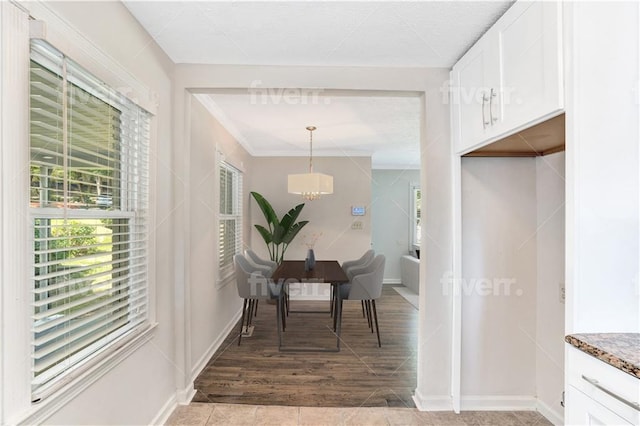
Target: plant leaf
<point>293,231</point>
<point>289,219</point>
<point>266,234</point>
<point>267,209</point>
<point>278,234</point>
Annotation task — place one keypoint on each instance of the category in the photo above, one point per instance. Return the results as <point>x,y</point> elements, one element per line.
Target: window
<point>230,218</point>
<point>416,205</point>
<point>89,210</point>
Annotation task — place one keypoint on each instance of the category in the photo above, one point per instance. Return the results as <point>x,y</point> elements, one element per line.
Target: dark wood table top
<point>325,271</point>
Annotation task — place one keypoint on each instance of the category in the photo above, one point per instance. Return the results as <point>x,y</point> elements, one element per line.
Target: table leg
<point>338,313</point>
<point>279,321</point>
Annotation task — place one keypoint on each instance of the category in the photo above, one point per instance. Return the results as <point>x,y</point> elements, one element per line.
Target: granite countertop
<point>621,350</point>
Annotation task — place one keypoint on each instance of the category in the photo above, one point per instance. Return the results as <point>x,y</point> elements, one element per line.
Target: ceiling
<point>385,126</point>
<point>322,33</point>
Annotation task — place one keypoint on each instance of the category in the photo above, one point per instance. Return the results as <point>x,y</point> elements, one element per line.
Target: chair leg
<point>331,300</point>
<point>362,303</point>
<point>255,310</point>
<point>286,298</point>
<point>244,308</point>
<point>375,316</point>
<point>367,305</point>
<point>283,311</point>
<point>253,307</point>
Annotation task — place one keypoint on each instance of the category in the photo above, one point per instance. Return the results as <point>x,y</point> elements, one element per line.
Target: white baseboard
<point>432,403</point>
<point>391,281</point>
<point>498,403</point>
<point>204,359</point>
<point>166,410</point>
<point>184,396</point>
<point>555,417</point>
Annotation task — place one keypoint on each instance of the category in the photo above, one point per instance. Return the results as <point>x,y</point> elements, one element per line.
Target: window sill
<point>94,370</point>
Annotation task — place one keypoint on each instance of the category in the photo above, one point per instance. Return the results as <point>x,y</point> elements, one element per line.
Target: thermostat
<point>358,210</point>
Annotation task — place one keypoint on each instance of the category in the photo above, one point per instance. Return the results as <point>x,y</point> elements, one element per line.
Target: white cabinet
<point>475,96</point>
<point>531,51</point>
<point>583,410</point>
<point>598,393</point>
<point>511,78</point>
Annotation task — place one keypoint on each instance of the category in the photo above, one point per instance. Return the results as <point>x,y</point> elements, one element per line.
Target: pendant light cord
<point>310,151</point>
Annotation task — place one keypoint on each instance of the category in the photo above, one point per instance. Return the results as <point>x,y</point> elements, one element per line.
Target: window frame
<point>226,271</point>
<point>415,217</point>
<point>119,342</point>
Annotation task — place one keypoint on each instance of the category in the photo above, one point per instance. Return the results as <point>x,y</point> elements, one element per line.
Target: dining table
<point>324,271</point>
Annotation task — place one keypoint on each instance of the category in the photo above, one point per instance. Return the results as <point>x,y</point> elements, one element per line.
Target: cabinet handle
<point>484,121</point>
<point>491,117</point>
<point>625,401</point>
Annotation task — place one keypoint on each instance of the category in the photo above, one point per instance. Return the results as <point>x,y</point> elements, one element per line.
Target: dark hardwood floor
<point>361,374</point>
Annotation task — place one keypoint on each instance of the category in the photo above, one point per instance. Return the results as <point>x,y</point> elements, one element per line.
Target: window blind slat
<point>52,323</point>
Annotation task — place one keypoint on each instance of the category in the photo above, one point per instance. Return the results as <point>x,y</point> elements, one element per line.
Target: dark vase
<point>310,261</point>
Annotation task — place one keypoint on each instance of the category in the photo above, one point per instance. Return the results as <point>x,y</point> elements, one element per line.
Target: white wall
<point>214,306</point>
<point>513,265</point>
<point>603,185</point>
<point>550,182</point>
<point>391,216</point>
<point>137,389</point>
<point>329,215</point>
<point>498,248</point>
<point>435,315</point>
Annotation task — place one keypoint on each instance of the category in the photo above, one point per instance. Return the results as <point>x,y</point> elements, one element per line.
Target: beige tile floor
<point>204,414</point>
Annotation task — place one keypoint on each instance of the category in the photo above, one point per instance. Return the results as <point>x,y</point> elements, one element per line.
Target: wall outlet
<point>562,293</point>
<point>357,225</point>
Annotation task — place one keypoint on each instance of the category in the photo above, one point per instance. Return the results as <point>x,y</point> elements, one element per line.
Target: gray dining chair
<point>253,257</point>
<point>366,286</point>
<point>364,260</point>
<point>268,266</point>
<point>348,266</point>
<point>253,285</point>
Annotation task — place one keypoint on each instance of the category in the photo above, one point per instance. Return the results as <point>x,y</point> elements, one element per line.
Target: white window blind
<point>229,217</point>
<point>89,176</point>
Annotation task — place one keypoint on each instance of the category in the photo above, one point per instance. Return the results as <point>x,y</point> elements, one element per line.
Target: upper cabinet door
<point>474,94</point>
<point>530,43</point>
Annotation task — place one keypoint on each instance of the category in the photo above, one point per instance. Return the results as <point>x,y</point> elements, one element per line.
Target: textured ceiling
<point>322,33</point>
<point>379,33</point>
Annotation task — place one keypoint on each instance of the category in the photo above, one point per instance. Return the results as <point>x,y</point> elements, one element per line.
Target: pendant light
<point>310,185</point>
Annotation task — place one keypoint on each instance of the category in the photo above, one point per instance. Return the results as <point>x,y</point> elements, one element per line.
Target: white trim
<point>498,403</point>
<point>549,413</point>
<point>165,412</point>
<point>181,198</point>
<point>391,281</point>
<point>73,43</point>
<point>456,325</point>
<point>15,362</point>
<point>39,412</point>
<point>201,363</point>
<point>432,403</point>
<point>184,396</point>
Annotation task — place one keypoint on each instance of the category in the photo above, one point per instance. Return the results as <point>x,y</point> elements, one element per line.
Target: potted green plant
<point>280,232</point>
